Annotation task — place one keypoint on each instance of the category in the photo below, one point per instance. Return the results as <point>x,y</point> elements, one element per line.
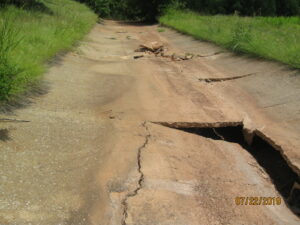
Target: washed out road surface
<point>101,147</point>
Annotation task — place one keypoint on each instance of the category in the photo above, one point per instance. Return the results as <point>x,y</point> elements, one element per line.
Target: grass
<point>276,38</point>
<point>30,37</point>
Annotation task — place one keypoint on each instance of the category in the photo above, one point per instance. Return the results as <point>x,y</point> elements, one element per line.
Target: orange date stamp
<point>258,200</point>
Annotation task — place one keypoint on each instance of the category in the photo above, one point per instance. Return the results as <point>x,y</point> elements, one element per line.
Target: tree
<point>287,7</point>
<point>149,9</point>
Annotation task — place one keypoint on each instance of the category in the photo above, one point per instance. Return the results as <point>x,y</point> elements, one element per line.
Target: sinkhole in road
<point>285,180</point>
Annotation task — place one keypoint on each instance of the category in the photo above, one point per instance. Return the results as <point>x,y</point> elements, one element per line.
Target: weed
<point>241,34</point>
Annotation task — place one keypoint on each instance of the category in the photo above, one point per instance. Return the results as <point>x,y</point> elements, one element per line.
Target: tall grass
<point>9,39</point>
<point>276,38</point>
<point>30,37</point>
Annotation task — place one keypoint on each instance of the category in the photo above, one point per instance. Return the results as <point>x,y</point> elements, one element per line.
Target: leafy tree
<point>150,9</point>
<point>287,7</point>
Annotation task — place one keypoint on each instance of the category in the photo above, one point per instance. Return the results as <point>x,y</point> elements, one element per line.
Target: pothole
<point>285,180</point>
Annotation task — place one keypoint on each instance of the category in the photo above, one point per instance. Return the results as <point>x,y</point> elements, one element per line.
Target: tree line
<point>246,7</point>
<point>150,9</point>
<point>17,2</point>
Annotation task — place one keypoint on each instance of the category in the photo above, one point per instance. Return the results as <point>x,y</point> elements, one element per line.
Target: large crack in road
<point>141,174</point>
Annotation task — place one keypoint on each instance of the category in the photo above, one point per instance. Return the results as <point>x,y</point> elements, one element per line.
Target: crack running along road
<point>141,178</point>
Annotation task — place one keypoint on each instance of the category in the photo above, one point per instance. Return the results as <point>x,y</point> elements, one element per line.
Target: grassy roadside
<point>274,38</point>
<point>29,37</point>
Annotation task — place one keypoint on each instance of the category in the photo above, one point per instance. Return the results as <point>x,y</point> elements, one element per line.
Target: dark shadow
<point>57,60</point>
<point>30,5</point>
<point>285,180</point>
<point>4,135</point>
<point>274,164</point>
<point>40,7</point>
<point>136,23</point>
<point>26,99</point>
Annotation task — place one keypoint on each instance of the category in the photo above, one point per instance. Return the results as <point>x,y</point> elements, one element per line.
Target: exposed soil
<point>100,147</point>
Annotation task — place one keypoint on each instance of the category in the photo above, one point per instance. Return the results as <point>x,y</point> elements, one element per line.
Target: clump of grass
<point>33,37</point>
<point>161,30</point>
<point>275,38</point>
<point>241,35</point>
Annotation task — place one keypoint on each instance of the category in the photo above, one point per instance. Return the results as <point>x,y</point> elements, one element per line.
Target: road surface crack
<point>13,120</point>
<point>212,54</point>
<point>141,176</point>
<point>212,80</point>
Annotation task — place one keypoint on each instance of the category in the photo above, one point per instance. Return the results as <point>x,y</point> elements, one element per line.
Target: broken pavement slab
<point>199,183</point>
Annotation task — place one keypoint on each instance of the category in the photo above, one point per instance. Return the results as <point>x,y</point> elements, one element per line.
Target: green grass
<point>276,38</point>
<point>30,37</point>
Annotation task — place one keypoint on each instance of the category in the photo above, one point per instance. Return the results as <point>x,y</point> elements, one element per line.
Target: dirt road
<point>148,141</point>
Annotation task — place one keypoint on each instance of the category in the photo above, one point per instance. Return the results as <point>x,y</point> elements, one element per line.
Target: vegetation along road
<point>139,124</point>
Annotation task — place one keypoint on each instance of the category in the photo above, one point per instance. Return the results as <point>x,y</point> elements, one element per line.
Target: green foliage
<point>18,2</point>
<point>149,10</point>
<point>28,38</point>
<point>274,38</point>
<point>241,35</point>
<point>146,10</point>
<point>246,7</point>
<point>118,9</point>
<point>8,74</point>
<point>9,39</point>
